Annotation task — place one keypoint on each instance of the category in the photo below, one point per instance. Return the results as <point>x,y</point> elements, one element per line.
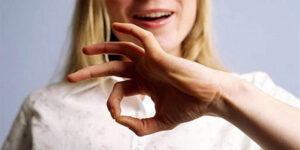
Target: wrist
<point>231,89</point>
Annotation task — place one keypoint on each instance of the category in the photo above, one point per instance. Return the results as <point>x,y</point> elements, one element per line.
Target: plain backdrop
<point>251,35</point>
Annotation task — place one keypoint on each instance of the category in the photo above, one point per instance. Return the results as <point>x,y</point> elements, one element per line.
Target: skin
<point>188,90</point>
<point>185,15</point>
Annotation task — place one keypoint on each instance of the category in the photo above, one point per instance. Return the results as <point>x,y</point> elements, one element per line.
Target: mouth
<point>153,18</point>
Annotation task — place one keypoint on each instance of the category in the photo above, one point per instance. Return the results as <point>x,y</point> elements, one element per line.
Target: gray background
<point>251,35</point>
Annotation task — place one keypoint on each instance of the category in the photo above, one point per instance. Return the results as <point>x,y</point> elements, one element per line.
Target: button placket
<point>137,143</point>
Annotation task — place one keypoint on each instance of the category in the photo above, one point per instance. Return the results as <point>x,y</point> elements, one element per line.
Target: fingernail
<point>69,78</point>
<point>115,25</point>
<point>84,50</point>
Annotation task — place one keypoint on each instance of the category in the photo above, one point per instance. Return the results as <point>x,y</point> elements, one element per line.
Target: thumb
<point>141,127</point>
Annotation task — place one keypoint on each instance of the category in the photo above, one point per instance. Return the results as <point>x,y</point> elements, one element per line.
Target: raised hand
<point>182,90</point>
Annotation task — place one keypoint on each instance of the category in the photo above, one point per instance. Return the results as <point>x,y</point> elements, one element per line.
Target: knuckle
<point>108,104</point>
<point>142,128</point>
<point>88,71</point>
<point>112,68</point>
<point>88,68</point>
<point>148,34</point>
<point>105,47</point>
<point>170,127</point>
<point>118,85</point>
<point>131,25</point>
<point>139,133</point>
<point>144,37</point>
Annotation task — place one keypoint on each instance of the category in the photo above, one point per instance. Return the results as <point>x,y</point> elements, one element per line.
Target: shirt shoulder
<point>58,91</point>
<point>264,82</point>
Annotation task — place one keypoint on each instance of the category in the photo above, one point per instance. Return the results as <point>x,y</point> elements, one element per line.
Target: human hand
<point>182,90</point>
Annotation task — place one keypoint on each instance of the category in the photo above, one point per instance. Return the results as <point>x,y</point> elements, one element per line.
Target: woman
<point>197,103</point>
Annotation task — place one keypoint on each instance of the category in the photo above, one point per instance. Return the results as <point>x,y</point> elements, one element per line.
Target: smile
<point>153,18</point>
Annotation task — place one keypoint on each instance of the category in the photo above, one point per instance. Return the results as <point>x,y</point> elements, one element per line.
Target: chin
<point>167,47</point>
<point>170,49</point>
<point>169,44</point>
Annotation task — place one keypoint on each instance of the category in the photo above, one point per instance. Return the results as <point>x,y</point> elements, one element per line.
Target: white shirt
<point>74,116</point>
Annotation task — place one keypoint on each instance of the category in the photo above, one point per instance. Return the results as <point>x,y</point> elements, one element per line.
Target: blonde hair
<point>91,25</point>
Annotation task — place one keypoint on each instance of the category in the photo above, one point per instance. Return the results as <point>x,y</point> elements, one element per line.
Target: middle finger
<point>114,68</point>
<point>127,49</point>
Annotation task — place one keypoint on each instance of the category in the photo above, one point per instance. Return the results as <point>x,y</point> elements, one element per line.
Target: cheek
<point>187,16</point>
<point>181,27</point>
<point>117,10</point>
<point>171,36</point>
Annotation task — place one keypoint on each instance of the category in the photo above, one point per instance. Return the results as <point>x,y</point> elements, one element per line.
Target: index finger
<point>146,37</point>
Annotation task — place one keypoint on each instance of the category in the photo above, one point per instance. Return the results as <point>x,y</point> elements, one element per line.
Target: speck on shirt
<point>74,116</point>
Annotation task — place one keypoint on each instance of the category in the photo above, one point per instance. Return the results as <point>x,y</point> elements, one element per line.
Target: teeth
<point>154,15</point>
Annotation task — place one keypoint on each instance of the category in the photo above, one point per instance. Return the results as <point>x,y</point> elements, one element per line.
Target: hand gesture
<point>182,90</point>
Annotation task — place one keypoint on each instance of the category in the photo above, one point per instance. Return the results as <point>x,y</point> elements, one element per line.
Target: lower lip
<point>154,23</point>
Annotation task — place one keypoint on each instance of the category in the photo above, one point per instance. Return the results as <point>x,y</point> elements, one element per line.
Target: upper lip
<point>148,11</point>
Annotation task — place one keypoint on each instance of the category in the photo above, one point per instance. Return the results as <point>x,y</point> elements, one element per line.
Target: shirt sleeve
<point>264,82</point>
<point>19,137</point>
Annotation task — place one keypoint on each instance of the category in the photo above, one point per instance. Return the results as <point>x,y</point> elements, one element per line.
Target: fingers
<point>146,37</point>
<point>139,126</point>
<point>113,68</point>
<point>142,127</point>
<point>127,49</point>
<point>120,90</point>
